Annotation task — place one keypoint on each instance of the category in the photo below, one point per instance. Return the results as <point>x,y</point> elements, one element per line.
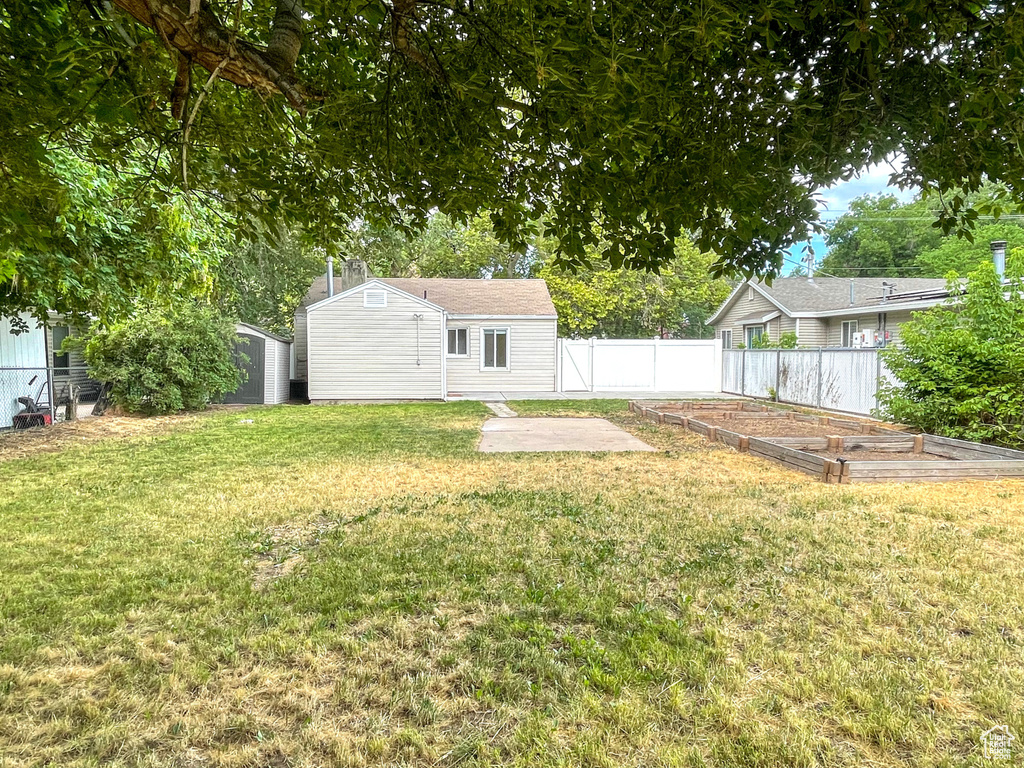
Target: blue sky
<point>836,199</point>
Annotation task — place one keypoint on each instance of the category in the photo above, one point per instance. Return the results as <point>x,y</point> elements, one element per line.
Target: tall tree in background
<point>444,248</point>
<point>623,124</point>
<point>882,237</point>
<point>262,281</point>
<point>601,300</point>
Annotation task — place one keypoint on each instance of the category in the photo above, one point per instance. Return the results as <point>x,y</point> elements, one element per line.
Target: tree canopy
<point>622,124</point>
<point>882,237</point>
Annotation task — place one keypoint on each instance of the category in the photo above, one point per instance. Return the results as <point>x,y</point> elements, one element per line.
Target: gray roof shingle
<point>462,296</point>
<point>798,294</point>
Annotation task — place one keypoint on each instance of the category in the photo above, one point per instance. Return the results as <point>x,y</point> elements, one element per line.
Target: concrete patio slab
<point>623,395</point>
<point>556,434</point>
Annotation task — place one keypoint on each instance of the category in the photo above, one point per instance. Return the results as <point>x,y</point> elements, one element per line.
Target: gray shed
<point>268,369</point>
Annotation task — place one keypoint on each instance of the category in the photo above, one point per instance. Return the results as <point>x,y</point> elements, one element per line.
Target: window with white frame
<point>375,299</point>
<point>850,328</point>
<point>494,349</point>
<point>727,339</point>
<point>458,342</point>
<point>753,333</point>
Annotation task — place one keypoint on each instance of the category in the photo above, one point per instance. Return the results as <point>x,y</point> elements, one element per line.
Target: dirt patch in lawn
<point>22,443</point>
<point>282,549</point>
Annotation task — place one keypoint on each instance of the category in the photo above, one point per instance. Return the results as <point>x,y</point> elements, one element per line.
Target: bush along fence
<point>833,379</point>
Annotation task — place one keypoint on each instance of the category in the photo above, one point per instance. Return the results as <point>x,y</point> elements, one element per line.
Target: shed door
<point>253,371</point>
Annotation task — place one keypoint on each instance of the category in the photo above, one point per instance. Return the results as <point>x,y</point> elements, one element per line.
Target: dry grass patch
<point>691,607</point>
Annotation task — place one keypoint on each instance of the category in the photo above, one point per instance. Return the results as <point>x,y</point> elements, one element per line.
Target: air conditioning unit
<point>869,337</point>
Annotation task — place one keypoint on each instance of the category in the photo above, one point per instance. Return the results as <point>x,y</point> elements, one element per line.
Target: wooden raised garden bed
<point>839,450</point>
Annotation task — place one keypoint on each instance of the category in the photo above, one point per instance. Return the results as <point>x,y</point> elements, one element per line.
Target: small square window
<point>458,342</point>
<point>754,334</point>
<point>375,299</point>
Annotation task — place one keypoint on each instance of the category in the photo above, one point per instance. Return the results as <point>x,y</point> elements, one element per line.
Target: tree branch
<point>213,46</point>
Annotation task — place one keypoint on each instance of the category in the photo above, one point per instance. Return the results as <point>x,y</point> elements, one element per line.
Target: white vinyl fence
<point>641,365</point>
<point>836,379</point>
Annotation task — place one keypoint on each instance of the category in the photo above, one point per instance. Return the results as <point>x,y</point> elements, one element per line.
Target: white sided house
<point>425,339</point>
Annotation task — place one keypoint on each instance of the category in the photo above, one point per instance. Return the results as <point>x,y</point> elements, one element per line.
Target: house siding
<point>300,343</point>
<point>813,332</point>
<point>532,357</point>
<point>744,307</point>
<point>277,362</point>
<point>359,353</point>
<point>284,365</point>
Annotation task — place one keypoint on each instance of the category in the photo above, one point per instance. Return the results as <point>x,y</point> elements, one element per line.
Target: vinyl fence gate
<point>640,365</point>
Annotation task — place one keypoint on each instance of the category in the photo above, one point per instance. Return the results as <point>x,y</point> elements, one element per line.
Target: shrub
<point>960,368</point>
<point>165,359</point>
<point>787,340</point>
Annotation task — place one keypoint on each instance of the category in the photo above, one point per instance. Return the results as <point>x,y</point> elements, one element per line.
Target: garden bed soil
<point>775,427</point>
<point>840,450</point>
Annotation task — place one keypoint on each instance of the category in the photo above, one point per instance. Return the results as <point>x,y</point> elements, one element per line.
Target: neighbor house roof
<point>822,296</point>
<point>512,297</point>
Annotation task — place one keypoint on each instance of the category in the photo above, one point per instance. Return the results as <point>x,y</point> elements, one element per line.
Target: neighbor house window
<point>375,299</point>
<point>495,349</point>
<point>849,330</point>
<point>753,333</point>
<point>727,339</point>
<point>60,359</point>
<point>458,342</point>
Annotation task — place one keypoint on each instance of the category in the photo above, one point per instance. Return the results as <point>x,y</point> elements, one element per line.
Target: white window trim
<point>375,292</point>
<point>727,338</point>
<point>469,338</point>
<point>508,347</point>
<point>748,328</point>
<point>854,326</point>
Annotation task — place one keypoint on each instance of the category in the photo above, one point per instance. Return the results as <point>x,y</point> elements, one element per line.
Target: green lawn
<point>356,586</point>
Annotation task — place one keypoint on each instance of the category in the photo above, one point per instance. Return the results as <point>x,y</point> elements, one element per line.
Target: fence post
<point>591,363</point>
<point>778,373</point>
<point>820,363</point>
<point>743,373</point>
<point>878,376</point>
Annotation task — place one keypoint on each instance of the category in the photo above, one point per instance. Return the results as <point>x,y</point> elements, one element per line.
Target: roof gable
<point>822,296</point>
<point>372,284</point>
<point>486,297</point>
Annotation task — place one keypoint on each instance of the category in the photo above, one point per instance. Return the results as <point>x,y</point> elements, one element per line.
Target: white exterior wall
<point>26,350</point>
<point>360,353</point>
<point>300,344</point>
<point>532,356</point>
<point>276,371</point>
<point>283,372</point>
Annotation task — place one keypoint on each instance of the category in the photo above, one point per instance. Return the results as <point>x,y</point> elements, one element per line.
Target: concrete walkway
<point>497,397</point>
<point>515,435</point>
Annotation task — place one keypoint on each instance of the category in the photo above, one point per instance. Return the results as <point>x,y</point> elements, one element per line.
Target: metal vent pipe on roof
<point>999,257</point>
<point>852,301</point>
<point>330,276</point>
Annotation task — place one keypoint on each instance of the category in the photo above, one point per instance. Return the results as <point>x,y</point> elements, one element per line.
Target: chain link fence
<point>35,396</point>
<point>835,379</point>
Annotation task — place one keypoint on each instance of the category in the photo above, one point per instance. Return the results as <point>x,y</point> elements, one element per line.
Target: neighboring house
<point>424,338</point>
<point>824,311</point>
